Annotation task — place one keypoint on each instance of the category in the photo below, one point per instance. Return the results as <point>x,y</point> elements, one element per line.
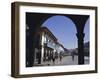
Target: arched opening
<point>59,41</point>
<point>62,27</point>
<point>87,30</point>
<point>87,41</point>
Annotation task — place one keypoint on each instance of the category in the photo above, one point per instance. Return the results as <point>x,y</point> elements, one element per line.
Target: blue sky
<point>64,29</point>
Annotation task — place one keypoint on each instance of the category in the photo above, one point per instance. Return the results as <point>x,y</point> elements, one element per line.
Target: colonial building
<point>48,44</point>
<point>50,47</point>
<point>46,47</point>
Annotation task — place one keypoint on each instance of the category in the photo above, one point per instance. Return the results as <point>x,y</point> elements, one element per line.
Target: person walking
<point>60,56</point>
<point>53,58</point>
<point>72,54</point>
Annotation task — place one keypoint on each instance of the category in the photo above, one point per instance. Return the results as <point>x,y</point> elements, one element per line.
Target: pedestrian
<point>53,58</point>
<point>72,54</point>
<point>60,56</point>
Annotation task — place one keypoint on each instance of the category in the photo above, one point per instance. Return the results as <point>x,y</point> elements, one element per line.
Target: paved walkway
<point>67,60</point>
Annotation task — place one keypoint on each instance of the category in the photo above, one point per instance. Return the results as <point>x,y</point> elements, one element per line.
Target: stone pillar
<point>42,46</point>
<point>80,37</point>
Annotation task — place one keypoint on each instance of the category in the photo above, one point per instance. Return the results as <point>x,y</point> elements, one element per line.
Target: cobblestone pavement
<point>67,60</point>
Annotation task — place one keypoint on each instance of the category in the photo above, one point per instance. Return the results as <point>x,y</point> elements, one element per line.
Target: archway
<point>87,42</point>
<point>63,28</point>
<point>87,30</point>
<point>60,26</point>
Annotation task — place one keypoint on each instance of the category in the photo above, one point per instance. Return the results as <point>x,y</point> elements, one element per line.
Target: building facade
<point>46,47</point>
<point>50,47</point>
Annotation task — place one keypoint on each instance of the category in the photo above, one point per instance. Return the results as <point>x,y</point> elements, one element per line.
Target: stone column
<point>42,45</point>
<point>80,37</point>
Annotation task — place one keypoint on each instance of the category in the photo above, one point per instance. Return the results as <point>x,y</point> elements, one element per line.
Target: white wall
<point>5,40</point>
